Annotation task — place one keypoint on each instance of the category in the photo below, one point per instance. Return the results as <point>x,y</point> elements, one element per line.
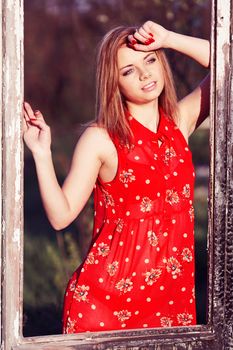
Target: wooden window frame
<point>218,333</point>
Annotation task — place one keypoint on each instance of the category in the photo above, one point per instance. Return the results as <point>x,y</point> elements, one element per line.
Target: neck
<point>146,114</point>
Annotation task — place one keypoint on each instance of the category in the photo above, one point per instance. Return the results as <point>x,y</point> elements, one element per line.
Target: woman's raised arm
<point>194,107</point>
<point>62,204</point>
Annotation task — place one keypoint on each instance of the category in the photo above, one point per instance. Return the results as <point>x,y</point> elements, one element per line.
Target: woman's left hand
<point>150,36</point>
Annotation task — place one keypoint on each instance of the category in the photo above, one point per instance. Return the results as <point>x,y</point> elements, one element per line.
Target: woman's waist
<point>145,207</point>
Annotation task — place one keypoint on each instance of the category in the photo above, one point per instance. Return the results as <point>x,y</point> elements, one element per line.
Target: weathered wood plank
<point>222,135</point>
<point>12,92</point>
<point>1,167</point>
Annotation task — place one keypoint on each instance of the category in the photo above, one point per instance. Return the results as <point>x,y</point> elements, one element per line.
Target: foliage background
<point>61,38</point>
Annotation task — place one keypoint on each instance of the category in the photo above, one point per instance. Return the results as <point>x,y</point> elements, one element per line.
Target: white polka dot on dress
<point>147,181</point>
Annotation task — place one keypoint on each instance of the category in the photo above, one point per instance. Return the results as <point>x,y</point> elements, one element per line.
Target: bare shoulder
<point>97,140</point>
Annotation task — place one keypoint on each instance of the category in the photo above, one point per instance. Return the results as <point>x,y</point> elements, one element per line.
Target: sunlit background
<point>61,37</point>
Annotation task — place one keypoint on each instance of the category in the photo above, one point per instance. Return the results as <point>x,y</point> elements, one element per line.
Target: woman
<point>139,271</point>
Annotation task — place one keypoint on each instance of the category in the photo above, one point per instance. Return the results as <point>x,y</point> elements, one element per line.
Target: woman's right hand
<point>36,132</point>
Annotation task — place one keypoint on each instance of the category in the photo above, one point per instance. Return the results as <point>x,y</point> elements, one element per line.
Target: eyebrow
<point>130,65</point>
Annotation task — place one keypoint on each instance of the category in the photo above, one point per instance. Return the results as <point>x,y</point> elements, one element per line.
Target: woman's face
<point>141,77</point>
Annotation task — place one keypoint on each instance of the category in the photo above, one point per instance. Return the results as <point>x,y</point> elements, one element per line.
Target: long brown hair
<point>110,107</point>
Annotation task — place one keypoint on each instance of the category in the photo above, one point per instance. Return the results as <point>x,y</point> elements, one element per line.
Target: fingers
<point>143,36</point>
<point>28,112</point>
<point>30,115</point>
<point>141,39</point>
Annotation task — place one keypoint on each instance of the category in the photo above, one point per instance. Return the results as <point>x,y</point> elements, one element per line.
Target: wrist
<point>170,40</point>
<point>42,155</point>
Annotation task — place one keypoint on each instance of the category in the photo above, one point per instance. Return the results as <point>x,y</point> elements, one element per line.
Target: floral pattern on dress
<point>173,266</point>
<point>152,238</point>
<point>166,321</point>
<point>70,326</point>
<point>127,176</point>
<point>152,276</point>
<point>184,319</point>
<point>187,255</point>
<point>72,285</point>
<point>123,315</point>
<point>146,205</point>
<point>112,268</point>
<point>124,285</point>
<point>90,258</point>
<point>108,199</point>
<point>169,153</point>
<point>103,249</point>
<point>186,191</point>
<point>119,225</point>
<point>191,213</point>
<point>81,293</point>
<point>172,197</point>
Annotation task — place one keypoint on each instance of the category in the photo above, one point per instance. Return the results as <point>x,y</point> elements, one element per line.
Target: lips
<point>150,86</point>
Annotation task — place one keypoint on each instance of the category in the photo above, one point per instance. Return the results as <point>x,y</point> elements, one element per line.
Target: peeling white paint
<point>16,237</point>
<point>16,325</point>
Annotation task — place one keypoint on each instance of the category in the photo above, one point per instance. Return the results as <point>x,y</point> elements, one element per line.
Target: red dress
<point>139,271</point>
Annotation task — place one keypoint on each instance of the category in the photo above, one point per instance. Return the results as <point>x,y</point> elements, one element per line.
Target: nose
<point>145,74</point>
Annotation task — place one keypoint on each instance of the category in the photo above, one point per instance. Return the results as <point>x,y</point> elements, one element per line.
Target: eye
<point>127,72</point>
<point>151,60</point>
